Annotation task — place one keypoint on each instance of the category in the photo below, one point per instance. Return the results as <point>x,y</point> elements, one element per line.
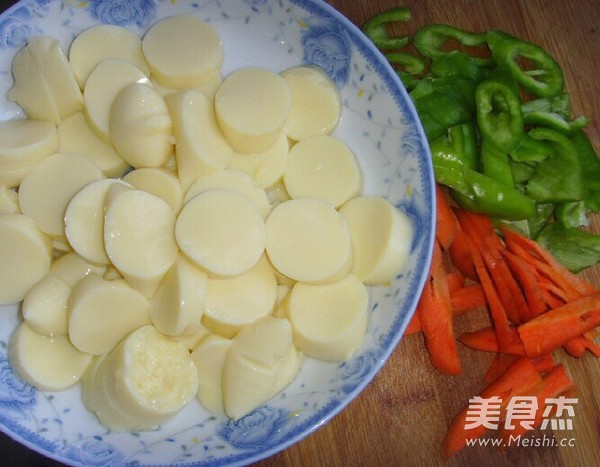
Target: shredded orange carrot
<point>557,327</point>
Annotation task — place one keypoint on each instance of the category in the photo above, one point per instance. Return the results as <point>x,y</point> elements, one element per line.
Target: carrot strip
<point>519,378</point>
<point>446,224</point>
<point>501,362</point>
<point>414,325</point>
<point>467,298</point>
<point>498,366</point>
<point>483,233</point>
<point>436,319</point>
<point>555,383</point>
<point>526,276</point>
<point>558,326</point>
<point>560,272</point>
<point>576,347</point>
<point>461,255</point>
<point>544,363</point>
<point>455,280</point>
<point>485,339</point>
<point>497,311</point>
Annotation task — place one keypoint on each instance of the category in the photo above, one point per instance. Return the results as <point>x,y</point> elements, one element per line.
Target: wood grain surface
<point>402,415</point>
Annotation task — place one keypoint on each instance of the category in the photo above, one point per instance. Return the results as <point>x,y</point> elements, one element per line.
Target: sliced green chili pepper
<point>407,66</point>
<point>376,30</point>
<point>458,144</point>
<point>499,111</point>
<point>544,80</point>
<point>487,196</point>
<point>477,192</point>
<point>554,121</point>
<point>495,164</point>
<point>558,178</point>
<point>430,41</point>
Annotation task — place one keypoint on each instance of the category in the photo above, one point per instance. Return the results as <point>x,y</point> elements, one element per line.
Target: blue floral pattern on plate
<point>379,124</point>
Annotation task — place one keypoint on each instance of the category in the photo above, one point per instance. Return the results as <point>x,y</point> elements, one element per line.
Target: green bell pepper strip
<point>430,41</point>
<point>560,104</point>
<point>408,67</point>
<point>442,103</point>
<point>457,63</point>
<point>499,112</point>
<point>544,80</point>
<point>521,173</point>
<point>572,214</point>
<point>558,178</point>
<point>543,216</point>
<point>532,226</point>
<point>531,150</point>
<point>459,143</point>
<point>477,192</point>
<point>375,28</point>
<point>554,121</point>
<point>588,159</point>
<point>576,249</point>
<point>495,164</point>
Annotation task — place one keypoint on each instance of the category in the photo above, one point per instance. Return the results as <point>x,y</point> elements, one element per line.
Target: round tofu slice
<point>209,357</point>
<point>316,102</point>
<point>100,313</point>
<point>177,306</point>
<point>84,221</point>
<point>252,105</point>
<point>308,240</point>
<point>44,83</point>
<point>47,190</point>
<point>160,182</point>
<point>329,320</point>
<point>48,363</point>
<point>71,268</point>
<point>266,167</point>
<point>182,51</point>
<point>148,378</point>
<point>221,231</point>
<point>23,143</point>
<point>44,307</point>
<point>140,126</point>
<point>94,396</point>
<point>104,41</point>
<point>322,166</point>
<point>382,236</point>
<point>233,302</point>
<point>9,201</point>
<point>30,89</point>
<point>234,180</point>
<point>200,146</point>
<point>76,136</point>
<point>26,256</point>
<point>102,86</point>
<point>139,238</point>
<point>261,361</point>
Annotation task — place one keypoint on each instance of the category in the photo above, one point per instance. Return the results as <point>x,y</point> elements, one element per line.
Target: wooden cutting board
<point>402,416</point>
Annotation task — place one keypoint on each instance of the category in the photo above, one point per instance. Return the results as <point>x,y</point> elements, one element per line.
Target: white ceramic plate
<point>378,123</point>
